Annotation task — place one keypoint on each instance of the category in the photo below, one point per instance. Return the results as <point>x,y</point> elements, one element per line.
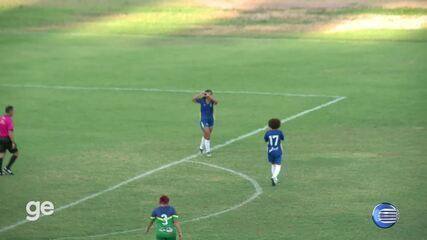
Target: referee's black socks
<point>11,162</point>
<point>1,164</point>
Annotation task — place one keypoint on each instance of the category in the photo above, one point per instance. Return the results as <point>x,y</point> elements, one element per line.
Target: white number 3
<point>165,219</point>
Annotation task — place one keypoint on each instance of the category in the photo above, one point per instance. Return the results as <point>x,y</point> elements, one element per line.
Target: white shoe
<point>274,181</point>
<point>208,154</point>
<point>8,171</point>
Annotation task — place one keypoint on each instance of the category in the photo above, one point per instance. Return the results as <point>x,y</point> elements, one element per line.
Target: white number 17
<point>274,140</point>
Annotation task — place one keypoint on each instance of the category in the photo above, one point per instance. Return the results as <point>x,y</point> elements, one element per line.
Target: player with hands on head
<point>207,102</point>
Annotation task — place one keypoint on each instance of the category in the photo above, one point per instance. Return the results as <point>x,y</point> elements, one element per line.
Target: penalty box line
<point>186,159</point>
<point>131,89</point>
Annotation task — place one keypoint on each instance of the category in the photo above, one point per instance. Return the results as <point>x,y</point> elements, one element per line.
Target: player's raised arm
<point>198,96</point>
<point>178,227</point>
<point>213,99</point>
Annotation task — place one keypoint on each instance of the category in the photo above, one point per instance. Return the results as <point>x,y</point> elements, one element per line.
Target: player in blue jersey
<point>274,138</point>
<point>207,102</point>
<point>165,220</point>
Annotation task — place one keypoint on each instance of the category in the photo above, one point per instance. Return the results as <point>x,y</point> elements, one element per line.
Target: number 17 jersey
<point>274,139</point>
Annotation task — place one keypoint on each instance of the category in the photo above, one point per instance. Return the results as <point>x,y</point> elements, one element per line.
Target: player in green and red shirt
<point>165,220</point>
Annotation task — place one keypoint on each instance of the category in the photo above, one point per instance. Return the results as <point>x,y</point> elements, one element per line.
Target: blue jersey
<point>163,211</point>
<point>206,109</point>
<point>274,139</point>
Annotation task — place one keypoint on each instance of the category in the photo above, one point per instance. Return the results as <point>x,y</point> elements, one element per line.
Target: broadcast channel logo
<point>385,215</point>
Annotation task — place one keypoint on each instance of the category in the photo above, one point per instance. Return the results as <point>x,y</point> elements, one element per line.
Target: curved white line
<point>255,184</point>
<point>171,164</point>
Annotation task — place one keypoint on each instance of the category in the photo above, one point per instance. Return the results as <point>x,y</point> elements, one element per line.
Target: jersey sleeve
<point>174,215</point>
<point>282,136</point>
<point>199,100</point>
<point>266,137</point>
<point>153,215</point>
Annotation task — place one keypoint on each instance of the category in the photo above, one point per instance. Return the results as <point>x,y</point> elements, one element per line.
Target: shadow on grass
<point>183,18</point>
<point>47,14</point>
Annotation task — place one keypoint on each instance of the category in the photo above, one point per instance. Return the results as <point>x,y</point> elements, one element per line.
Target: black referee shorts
<point>6,144</point>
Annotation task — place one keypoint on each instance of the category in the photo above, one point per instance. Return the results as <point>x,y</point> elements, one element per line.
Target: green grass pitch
<point>340,161</point>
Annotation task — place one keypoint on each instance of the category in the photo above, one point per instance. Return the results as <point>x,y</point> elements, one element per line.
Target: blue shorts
<point>207,123</point>
<point>275,158</point>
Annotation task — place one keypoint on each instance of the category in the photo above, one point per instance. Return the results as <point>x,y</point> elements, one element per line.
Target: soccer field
<point>105,125</point>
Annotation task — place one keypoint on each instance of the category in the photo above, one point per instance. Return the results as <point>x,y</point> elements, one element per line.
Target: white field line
<point>255,184</point>
<point>129,89</point>
<point>137,177</point>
